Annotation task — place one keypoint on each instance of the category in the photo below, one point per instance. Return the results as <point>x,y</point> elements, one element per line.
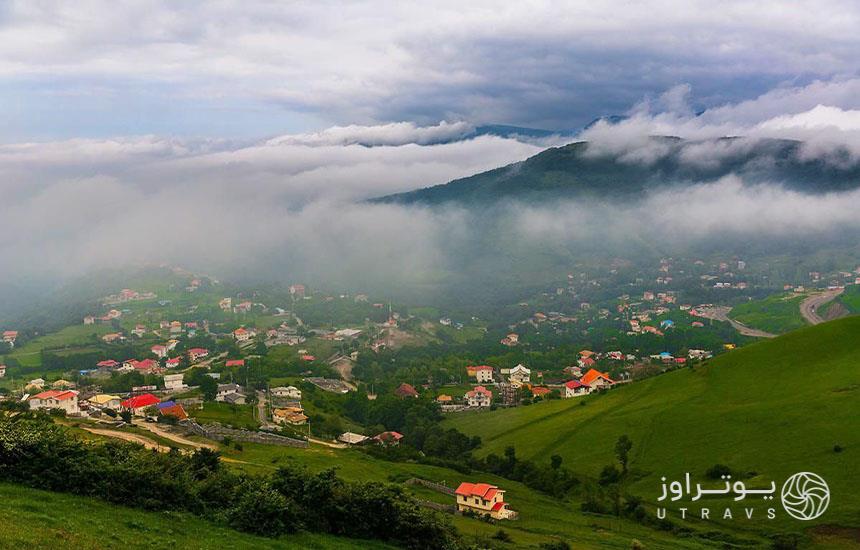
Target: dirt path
<point>125,436</point>
<point>328,443</point>
<point>809,307</point>
<point>721,313</point>
<point>159,431</point>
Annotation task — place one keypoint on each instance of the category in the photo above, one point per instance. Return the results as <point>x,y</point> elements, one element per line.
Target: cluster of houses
<point>67,400</point>
<point>287,406</point>
<point>127,295</point>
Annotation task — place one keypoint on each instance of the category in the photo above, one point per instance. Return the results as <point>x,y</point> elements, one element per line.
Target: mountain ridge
<point>582,170</point>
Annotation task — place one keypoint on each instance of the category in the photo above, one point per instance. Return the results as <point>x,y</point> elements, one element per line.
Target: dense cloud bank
<point>291,207</point>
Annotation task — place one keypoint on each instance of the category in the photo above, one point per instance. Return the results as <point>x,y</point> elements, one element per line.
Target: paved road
<point>721,313</point>
<point>810,306</point>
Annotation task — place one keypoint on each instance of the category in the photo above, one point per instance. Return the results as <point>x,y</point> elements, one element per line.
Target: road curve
<point>809,306</point>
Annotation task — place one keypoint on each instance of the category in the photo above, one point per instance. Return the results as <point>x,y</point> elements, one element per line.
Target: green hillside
<point>778,314</point>
<point>578,170</point>
<point>42,519</point>
<point>771,409</point>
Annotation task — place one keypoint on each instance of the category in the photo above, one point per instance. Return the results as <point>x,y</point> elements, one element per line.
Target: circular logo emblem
<point>805,496</point>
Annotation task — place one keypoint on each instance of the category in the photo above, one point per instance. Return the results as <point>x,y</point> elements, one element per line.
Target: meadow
<point>767,410</point>
<point>778,314</point>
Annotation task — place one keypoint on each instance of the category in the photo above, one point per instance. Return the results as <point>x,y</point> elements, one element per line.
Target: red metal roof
<point>139,401</point>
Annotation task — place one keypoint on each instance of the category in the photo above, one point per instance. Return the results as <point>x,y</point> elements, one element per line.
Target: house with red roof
<point>585,362</point>
<point>139,403</point>
<point>479,397</point>
<point>484,499</point>
<point>388,438</point>
<point>147,366</point>
<point>242,334</point>
<point>107,364</point>
<point>405,390</point>
<point>56,399</point>
<point>159,351</point>
<point>574,388</point>
<point>235,363</point>
<point>196,354</point>
<point>173,362</point>
<point>541,391</point>
<point>596,380</point>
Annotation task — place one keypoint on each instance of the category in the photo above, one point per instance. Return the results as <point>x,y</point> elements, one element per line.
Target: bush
<point>717,471</point>
<point>502,535</point>
<point>263,511</point>
<point>837,448</point>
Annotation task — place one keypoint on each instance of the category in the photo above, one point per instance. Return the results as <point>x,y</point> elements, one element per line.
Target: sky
<point>253,69</point>
<point>242,138</point>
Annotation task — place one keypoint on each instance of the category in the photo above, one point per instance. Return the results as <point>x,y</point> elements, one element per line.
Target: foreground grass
<point>42,519</point>
<point>773,409</point>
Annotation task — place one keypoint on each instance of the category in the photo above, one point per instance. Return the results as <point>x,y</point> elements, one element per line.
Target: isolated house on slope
<point>484,499</point>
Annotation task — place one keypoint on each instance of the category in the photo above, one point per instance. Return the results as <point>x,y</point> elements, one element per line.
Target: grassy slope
<point>850,298</point>
<point>778,314</point>
<point>776,407</point>
<point>41,519</point>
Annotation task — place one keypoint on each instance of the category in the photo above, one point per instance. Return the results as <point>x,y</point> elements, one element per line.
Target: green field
<point>777,314</point>
<point>41,519</point>
<point>239,416</point>
<point>850,298</point>
<point>542,518</point>
<point>75,336</point>
<point>772,408</point>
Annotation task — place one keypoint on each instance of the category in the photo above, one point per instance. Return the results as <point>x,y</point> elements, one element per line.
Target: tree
<point>622,451</point>
<point>555,462</point>
<point>209,387</point>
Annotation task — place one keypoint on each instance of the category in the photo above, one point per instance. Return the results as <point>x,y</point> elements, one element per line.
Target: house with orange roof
<point>56,399</point>
<point>541,391</point>
<point>481,373</point>
<point>484,499</point>
<point>596,380</point>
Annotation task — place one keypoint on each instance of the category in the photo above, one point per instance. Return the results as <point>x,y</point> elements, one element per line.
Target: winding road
<point>721,313</point>
<point>809,307</point>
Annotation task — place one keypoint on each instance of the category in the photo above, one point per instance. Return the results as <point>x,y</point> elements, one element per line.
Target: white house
<point>574,388</point>
<point>56,399</point>
<point>289,392</point>
<point>520,374</point>
<point>483,374</point>
<point>159,351</point>
<point>479,397</point>
<point>230,393</point>
<point>173,382</point>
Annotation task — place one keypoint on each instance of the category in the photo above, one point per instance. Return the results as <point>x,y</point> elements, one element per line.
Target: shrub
<point>263,511</point>
<point>717,471</point>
